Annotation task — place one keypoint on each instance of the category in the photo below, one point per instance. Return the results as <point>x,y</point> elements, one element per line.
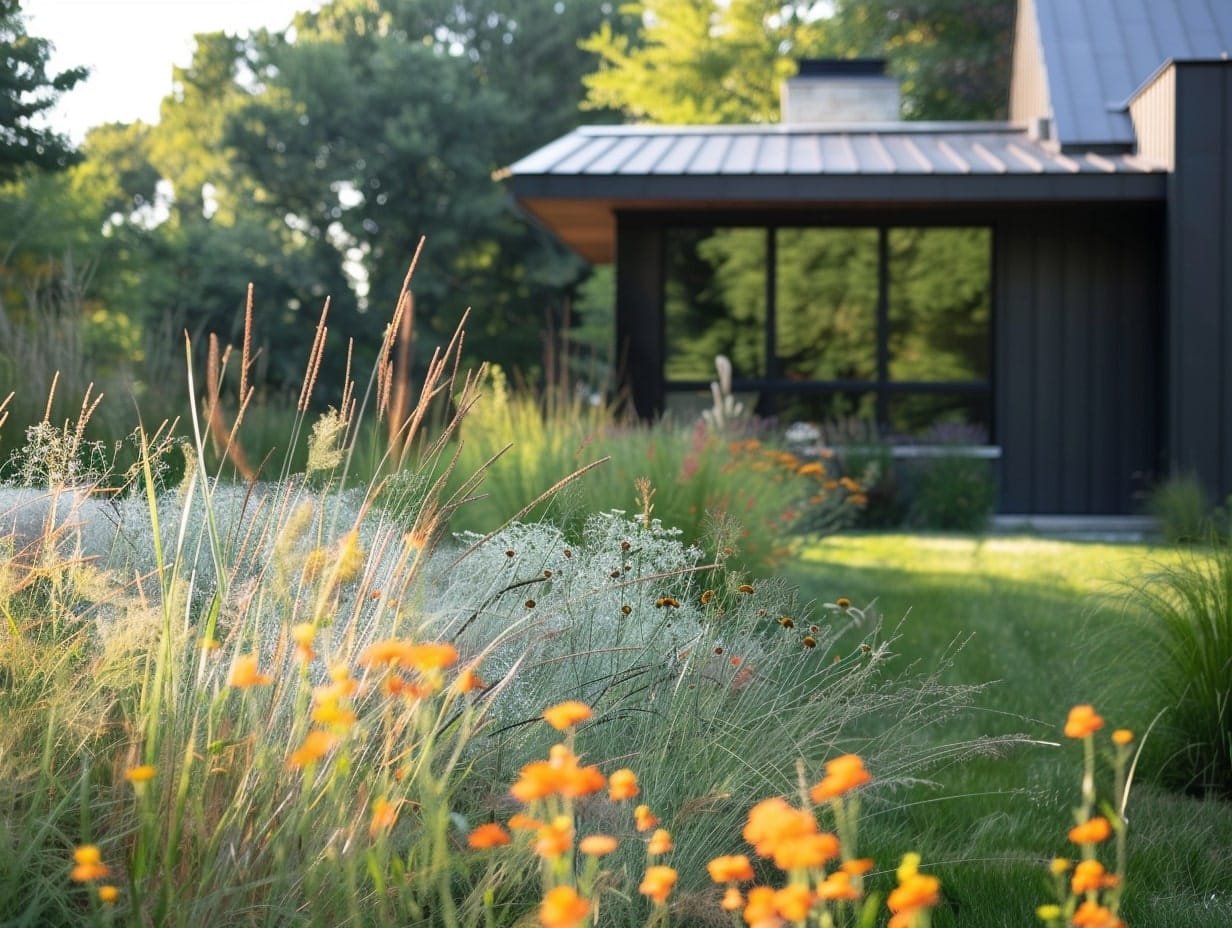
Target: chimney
<point>840,90</point>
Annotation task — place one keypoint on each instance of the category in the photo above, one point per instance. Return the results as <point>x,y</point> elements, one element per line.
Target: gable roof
<point>1097,53</point>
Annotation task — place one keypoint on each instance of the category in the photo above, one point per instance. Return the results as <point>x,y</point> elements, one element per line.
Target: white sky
<point>131,45</point>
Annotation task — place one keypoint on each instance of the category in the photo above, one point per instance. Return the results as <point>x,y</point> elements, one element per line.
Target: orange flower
<point>806,851</point>
<point>732,868</point>
<point>469,680</point>
<point>843,774</point>
<point>1122,737</point>
<point>89,864</point>
<point>1088,877</point>
<point>562,907</point>
<point>919,891</point>
<point>773,822</point>
<point>556,838</point>
<point>1092,915</point>
<point>1091,832</point>
<point>245,673</point>
<point>537,780</point>
<point>302,634</point>
<point>597,845</point>
<point>384,816</point>
<point>520,822</point>
<point>644,818</point>
<point>421,657</point>
<point>330,713</point>
<point>566,714</point>
<point>837,886</point>
<point>733,900</point>
<point>622,784</point>
<point>486,836</point>
<point>658,883</point>
<point>141,774</point>
<point>108,895</point>
<point>316,745</point>
<point>759,908</point>
<point>793,902</point>
<point>843,602</point>
<point>660,842</point>
<point>1082,721</point>
<point>857,867</point>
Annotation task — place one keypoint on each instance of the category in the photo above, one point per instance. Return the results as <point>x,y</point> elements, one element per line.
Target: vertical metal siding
<point>1028,84</point>
<point>1153,111</point>
<point>1200,292</point>
<point>1078,295</point>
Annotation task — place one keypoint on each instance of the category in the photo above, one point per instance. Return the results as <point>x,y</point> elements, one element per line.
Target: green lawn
<point>1049,624</point>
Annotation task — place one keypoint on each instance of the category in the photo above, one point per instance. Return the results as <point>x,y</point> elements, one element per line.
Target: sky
<point>130,47</point>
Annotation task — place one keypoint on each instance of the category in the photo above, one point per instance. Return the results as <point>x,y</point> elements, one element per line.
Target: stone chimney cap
<point>842,67</point>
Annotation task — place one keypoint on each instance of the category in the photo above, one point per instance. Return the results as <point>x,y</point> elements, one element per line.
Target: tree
<point>27,90</point>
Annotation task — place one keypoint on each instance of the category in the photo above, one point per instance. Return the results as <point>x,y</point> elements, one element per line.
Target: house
<point>1061,280</point>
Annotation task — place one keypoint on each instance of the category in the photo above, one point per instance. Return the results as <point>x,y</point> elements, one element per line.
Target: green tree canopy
<point>27,90</point>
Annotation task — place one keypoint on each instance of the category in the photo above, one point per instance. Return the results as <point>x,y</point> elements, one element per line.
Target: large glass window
<point>885,324</point>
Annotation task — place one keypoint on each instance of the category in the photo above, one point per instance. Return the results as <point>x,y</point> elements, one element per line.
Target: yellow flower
<point>89,864</point>
<point>1082,721</point>
<point>660,842</point>
<point>142,774</point>
<point>1048,913</point>
<point>1060,865</point>
<point>644,818</point>
<point>108,894</point>
<point>657,883</point>
<point>597,845</point>
<point>486,836</point>
<point>562,907</point>
<point>246,673</point>
<point>1122,736</point>
<point>566,714</point>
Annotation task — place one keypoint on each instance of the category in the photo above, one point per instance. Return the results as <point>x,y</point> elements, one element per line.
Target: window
<point>885,324</point>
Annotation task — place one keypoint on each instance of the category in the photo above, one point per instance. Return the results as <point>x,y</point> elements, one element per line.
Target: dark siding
<point>1076,370</point>
<point>639,310</point>
<point>1200,285</point>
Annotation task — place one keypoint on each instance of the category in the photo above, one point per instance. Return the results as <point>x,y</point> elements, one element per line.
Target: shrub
<point>1181,506</point>
<point>953,493</point>
<point>1190,605</point>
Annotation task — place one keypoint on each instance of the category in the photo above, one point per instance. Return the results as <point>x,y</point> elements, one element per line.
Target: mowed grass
<point>1047,624</point>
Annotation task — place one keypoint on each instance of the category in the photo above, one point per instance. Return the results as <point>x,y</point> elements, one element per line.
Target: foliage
<point>706,62</point>
<point>1181,507</point>
<point>952,492</point>
<point>28,91</point>
<point>1190,604</point>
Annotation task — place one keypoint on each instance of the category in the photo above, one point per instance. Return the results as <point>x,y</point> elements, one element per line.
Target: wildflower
<point>759,907</point>
<point>562,907</point>
<point>469,680</point>
<point>736,661</point>
<point>1122,737</point>
<point>302,634</point>
<point>597,845</point>
<point>1092,915</point>
<point>108,894</point>
<point>812,468</point>
<point>330,713</point>
<point>141,774</point>
<point>657,883</point>
<point>622,784</point>
<point>660,842</point>
<point>1091,832</point>
<point>245,673</point>
<point>529,604</point>
<point>554,838</point>
<point>209,645</point>
<point>787,621</point>
<point>384,816</point>
<point>731,868</point>
<point>744,588</point>
<point>1060,865</point>
<point>837,886</point>
<point>1082,721</point>
<point>566,714</point>
<point>857,867</point>
<point>809,641</point>
<point>644,818</point>
<point>806,852</point>
<point>1049,913</point>
<point>486,836</point>
<point>1088,877</point>
<point>89,864</point>
<point>912,895</point>
<point>843,774</point>
<point>793,902</point>
<point>733,900</point>
<point>668,601</point>
<point>707,597</point>
<point>843,602</point>
<point>626,609</point>
<point>316,745</point>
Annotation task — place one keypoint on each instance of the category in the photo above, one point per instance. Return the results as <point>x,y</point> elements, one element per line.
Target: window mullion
<point>883,325</point>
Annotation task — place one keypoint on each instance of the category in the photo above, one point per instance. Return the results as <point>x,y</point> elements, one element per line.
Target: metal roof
<point>1097,53</point>
<point>575,184</point>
